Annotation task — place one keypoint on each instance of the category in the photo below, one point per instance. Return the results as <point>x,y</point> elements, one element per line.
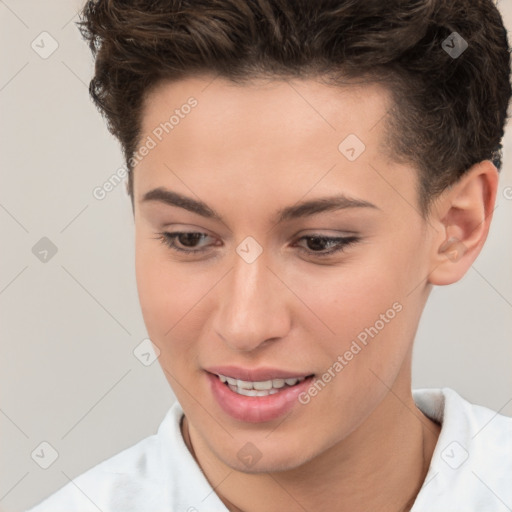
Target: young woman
<point>302,174</point>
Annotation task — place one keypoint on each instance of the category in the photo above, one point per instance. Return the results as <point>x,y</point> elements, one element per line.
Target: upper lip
<point>256,374</point>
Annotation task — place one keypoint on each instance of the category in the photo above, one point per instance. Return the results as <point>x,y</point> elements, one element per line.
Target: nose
<point>254,306</point>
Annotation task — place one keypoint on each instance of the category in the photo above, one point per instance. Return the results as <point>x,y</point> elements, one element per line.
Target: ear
<point>462,216</point>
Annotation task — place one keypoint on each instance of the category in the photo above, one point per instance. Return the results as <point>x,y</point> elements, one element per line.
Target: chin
<point>269,464</point>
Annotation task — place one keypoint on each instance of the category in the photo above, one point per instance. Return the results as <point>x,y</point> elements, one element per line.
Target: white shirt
<point>470,471</point>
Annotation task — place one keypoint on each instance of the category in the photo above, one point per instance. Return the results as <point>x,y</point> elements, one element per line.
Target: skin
<point>247,152</point>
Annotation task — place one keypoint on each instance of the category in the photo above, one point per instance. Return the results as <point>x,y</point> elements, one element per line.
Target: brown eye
<point>183,241</point>
<point>318,245</point>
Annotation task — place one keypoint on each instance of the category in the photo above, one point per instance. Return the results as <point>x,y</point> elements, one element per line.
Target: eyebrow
<point>298,210</point>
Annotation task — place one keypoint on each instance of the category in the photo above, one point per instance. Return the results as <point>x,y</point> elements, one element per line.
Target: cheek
<point>348,298</point>
<point>165,292</point>
<point>365,310</point>
<point>173,298</point>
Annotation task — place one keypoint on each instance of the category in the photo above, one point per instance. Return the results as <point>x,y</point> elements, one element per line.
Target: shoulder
<point>156,474</point>
<point>472,463</point>
<point>133,479</point>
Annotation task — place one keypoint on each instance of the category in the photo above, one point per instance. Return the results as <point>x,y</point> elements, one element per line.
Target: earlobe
<point>463,214</point>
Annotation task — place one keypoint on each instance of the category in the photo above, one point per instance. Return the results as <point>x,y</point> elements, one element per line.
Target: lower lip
<point>256,409</point>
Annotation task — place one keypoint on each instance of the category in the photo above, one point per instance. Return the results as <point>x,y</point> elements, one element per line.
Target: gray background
<point>69,326</point>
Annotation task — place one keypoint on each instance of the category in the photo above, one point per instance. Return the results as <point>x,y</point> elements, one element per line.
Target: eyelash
<point>168,239</point>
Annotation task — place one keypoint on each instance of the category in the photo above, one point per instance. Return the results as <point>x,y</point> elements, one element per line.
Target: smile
<point>258,388</point>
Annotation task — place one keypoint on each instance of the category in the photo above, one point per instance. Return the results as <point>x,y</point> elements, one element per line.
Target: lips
<point>256,406</point>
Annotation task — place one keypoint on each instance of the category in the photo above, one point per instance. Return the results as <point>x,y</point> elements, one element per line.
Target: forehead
<point>270,137</point>
<point>262,107</point>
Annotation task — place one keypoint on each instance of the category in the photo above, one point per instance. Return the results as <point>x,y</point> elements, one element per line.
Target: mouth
<point>262,387</point>
<point>257,395</point>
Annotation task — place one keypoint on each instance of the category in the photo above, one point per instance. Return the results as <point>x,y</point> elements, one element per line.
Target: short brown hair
<point>448,112</point>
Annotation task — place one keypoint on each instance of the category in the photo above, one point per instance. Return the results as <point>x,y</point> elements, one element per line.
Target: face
<point>276,247</point>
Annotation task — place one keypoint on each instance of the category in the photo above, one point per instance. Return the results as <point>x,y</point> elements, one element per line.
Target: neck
<point>380,466</point>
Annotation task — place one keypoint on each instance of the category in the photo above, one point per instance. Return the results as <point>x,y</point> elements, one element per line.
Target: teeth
<point>244,384</point>
<point>253,392</point>
<point>267,384</point>
<point>258,388</point>
<point>245,391</point>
